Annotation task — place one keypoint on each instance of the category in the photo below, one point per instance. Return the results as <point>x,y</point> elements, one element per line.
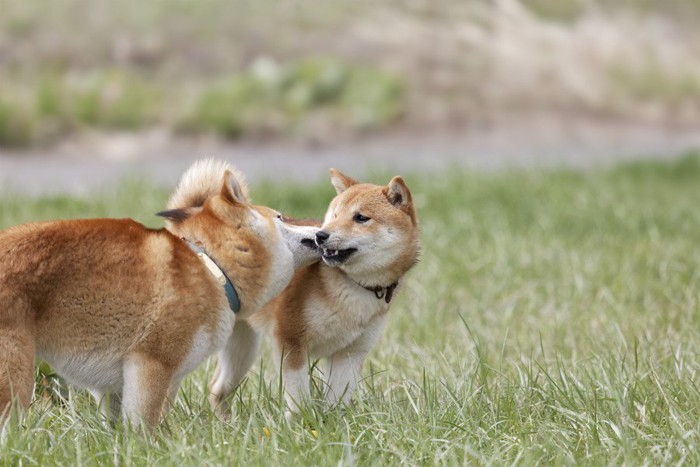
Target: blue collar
<point>221,277</point>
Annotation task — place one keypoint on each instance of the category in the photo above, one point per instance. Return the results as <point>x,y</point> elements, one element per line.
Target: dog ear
<point>398,193</point>
<point>232,191</point>
<point>341,182</point>
<point>175,215</point>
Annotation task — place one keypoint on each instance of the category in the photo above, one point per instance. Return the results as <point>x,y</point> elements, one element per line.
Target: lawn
<point>554,319</point>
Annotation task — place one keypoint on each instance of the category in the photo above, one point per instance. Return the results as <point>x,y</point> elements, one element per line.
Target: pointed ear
<point>231,190</point>
<point>398,193</point>
<point>175,215</point>
<point>341,182</point>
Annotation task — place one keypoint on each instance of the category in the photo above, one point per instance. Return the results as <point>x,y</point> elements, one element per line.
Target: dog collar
<point>221,277</point>
<point>383,292</point>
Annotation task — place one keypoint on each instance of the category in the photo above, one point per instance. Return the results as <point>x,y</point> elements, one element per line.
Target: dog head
<point>370,231</point>
<point>256,248</point>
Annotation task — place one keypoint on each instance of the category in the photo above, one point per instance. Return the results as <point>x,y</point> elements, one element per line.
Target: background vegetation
<point>241,69</point>
<point>554,319</point>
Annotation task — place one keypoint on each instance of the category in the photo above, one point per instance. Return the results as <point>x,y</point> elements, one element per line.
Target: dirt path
<point>101,162</point>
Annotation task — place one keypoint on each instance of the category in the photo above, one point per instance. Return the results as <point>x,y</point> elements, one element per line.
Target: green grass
<point>554,319</point>
<point>268,98</point>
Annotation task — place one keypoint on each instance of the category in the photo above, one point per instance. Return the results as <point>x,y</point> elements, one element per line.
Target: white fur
<point>375,253</point>
<point>98,372</point>
<point>110,404</point>
<point>205,343</point>
<point>344,367</point>
<point>292,236</point>
<point>343,334</point>
<point>233,362</point>
<point>287,254</point>
<point>296,388</point>
<point>295,383</point>
<point>131,391</point>
<point>203,180</point>
<point>334,328</point>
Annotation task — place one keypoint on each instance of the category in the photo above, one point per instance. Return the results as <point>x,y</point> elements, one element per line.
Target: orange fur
<point>326,312</point>
<point>127,311</point>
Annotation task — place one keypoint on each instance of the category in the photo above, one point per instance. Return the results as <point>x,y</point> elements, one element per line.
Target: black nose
<point>321,237</point>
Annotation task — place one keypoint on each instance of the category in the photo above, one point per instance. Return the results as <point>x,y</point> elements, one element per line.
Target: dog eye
<point>360,219</point>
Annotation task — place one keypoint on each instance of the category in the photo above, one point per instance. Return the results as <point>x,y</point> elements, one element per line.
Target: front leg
<point>232,364</point>
<point>344,368</point>
<point>343,371</point>
<point>294,363</point>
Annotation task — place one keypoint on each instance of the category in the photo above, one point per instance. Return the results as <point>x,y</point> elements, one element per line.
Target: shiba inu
<point>126,311</point>
<point>337,309</point>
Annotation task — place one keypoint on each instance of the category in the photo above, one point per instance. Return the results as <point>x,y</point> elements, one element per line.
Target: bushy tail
<point>203,180</point>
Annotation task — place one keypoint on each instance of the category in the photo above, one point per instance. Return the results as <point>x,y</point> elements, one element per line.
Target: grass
<point>554,319</point>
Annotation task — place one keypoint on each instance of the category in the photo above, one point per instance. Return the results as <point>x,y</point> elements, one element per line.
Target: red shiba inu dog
<point>126,311</point>
<point>337,309</point>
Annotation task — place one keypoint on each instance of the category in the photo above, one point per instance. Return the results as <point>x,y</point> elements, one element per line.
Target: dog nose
<point>321,237</point>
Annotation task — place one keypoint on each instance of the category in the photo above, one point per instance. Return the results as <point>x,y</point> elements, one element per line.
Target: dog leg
<point>344,368</point>
<point>17,350</point>
<point>295,377</point>
<point>146,385</point>
<point>172,394</point>
<point>109,403</point>
<point>343,371</point>
<point>232,364</point>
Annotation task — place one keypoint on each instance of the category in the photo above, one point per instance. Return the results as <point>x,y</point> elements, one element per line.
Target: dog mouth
<point>337,256</point>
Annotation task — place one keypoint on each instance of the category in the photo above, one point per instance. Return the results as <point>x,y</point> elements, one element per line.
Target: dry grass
<point>458,62</point>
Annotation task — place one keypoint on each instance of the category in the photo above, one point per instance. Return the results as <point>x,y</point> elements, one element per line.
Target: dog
<point>337,309</point>
<point>126,311</point>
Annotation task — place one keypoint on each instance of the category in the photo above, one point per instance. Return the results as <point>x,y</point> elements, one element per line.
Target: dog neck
<point>233,302</point>
<point>382,292</point>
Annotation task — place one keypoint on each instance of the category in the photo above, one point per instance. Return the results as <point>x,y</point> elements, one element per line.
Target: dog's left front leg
<point>294,365</point>
<point>343,371</point>
<point>344,368</point>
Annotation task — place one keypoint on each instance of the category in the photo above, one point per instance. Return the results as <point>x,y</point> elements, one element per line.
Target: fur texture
<point>127,311</point>
<point>370,239</point>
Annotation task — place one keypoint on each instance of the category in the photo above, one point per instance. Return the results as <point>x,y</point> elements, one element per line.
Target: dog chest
<point>334,325</point>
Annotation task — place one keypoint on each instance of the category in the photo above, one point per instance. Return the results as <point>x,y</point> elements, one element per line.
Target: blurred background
<point>92,91</point>
<point>554,317</point>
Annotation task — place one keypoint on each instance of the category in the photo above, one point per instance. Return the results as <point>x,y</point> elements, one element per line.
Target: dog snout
<point>321,237</point>
<point>308,242</point>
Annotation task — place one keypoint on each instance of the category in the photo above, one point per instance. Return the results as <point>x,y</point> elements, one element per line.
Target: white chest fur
<point>338,319</point>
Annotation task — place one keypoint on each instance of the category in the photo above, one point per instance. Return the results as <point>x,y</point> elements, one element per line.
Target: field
<point>309,71</point>
<point>554,319</point>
